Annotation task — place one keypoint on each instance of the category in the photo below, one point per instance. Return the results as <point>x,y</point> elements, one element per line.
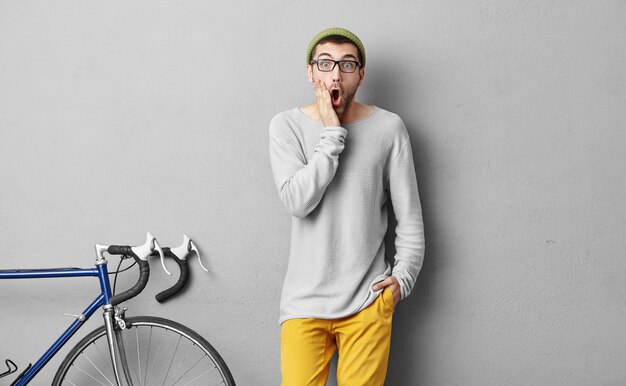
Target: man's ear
<point>309,72</point>
<point>361,75</point>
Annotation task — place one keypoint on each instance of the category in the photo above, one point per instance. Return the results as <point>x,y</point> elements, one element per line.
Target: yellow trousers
<point>363,340</point>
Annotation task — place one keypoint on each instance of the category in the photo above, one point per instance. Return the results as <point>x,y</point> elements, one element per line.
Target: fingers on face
<point>322,94</point>
<point>319,85</point>
<point>323,97</point>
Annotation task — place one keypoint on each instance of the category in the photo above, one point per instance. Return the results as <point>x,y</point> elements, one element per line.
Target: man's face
<point>342,86</point>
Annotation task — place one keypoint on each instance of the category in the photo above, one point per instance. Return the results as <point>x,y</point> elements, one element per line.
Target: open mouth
<point>335,96</point>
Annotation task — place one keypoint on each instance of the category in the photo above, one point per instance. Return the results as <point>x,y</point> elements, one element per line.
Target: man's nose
<point>336,73</point>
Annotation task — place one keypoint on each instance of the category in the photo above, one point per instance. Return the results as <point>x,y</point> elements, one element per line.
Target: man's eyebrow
<point>346,56</point>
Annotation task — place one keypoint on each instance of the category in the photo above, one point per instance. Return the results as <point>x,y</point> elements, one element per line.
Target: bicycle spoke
<point>138,356</point>
<point>148,355</point>
<point>89,375</point>
<point>200,376</point>
<point>102,356</point>
<point>172,360</point>
<point>177,369</point>
<point>180,365</point>
<point>97,369</point>
<point>191,368</point>
<point>155,359</point>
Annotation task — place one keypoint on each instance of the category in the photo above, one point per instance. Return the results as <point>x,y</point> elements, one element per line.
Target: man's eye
<point>347,65</point>
<point>325,64</point>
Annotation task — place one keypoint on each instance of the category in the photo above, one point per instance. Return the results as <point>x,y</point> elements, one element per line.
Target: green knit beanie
<point>335,31</point>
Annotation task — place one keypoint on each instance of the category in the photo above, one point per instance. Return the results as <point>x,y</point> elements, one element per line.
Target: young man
<point>336,164</point>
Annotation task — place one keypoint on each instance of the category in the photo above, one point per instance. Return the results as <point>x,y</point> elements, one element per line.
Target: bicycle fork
<point>114,323</point>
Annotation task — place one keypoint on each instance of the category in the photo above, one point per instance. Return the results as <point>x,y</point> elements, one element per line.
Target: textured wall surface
<point>118,118</point>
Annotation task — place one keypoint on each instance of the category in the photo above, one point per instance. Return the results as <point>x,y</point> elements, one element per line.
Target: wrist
<point>331,123</point>
<point>401,283</point>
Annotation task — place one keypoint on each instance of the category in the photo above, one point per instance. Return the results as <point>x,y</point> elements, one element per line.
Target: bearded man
<point>338,165</point>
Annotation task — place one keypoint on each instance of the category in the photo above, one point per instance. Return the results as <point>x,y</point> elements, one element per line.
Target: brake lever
<point>158,248</point>
<point>145,250</point>
<point>183,250</point>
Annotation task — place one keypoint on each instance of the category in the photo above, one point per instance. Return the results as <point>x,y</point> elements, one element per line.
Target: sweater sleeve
<point>301,183</point>
<point>409,240</point>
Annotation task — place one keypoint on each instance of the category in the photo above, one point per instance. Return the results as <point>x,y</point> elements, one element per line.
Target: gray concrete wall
<point>119,117</point>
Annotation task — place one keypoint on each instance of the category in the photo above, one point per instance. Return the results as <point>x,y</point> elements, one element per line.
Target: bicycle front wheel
<point>158,352</point>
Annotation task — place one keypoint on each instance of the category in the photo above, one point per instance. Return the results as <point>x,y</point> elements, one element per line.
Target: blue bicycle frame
<point>104,298</point>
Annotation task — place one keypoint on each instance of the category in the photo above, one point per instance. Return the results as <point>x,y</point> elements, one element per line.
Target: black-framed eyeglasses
<point>327,65</point>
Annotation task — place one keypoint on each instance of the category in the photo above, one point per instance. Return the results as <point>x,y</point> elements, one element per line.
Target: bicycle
<point>140,350</point>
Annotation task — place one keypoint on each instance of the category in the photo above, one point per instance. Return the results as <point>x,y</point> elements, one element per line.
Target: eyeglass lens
<point>327,65</point>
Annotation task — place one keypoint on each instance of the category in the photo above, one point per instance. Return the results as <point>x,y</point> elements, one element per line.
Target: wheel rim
<point>157,354</point>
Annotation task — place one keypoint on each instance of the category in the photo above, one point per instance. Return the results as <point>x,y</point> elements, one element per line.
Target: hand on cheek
<point>324,105</point>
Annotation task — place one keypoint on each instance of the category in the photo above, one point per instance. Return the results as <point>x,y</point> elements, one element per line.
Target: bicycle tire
<point>180,357</point>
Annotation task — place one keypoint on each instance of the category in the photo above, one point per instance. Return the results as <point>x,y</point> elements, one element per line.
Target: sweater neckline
<point>374,110</point>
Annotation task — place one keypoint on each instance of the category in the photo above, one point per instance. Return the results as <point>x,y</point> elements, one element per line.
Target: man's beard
<point>341,109</point>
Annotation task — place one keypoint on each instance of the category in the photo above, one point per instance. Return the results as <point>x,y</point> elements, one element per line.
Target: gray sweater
<point>337,182</point>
